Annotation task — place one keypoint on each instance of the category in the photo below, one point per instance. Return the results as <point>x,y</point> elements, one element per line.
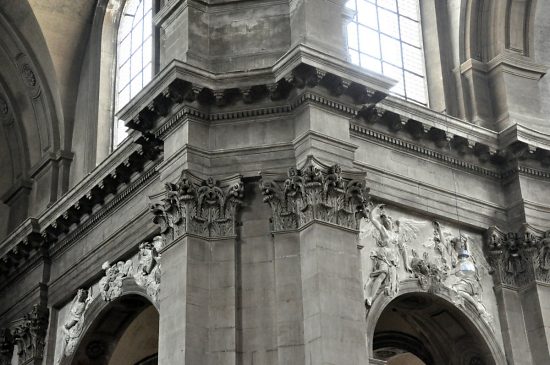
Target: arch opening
<point>123,333</point>
<point>424,329</point>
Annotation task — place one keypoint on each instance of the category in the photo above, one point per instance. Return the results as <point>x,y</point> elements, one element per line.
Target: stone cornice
<point>419,149</point>
<point>19,186</point>
<point>517,64</point>
<point>504,151</point>
<point>180,81</point>
<point>519,133</point>
<point>66,240</point>
<point>80,208</point>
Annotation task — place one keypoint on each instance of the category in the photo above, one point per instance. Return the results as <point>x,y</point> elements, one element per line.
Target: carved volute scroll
<point>519,258</point>
<point>30,334</point>
<point>6,346</point>
<point>206,208</point>
<point>315,192</point>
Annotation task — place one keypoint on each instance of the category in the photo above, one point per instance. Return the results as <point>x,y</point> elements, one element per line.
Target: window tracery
<point>384,36</point>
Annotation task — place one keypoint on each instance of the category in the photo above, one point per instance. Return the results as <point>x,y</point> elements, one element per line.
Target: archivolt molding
<point>29,75</point>
<point>469,310</point>
<point>488,28</point>
<point>84,310</point>
<point>119,279</point>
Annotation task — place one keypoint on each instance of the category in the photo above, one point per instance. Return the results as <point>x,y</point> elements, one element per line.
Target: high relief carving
<point>315,192</point>
<point>203,207</point>
<point>391,239</point>
<point>28,75</point>
<point>74,322</point>
<point>147,274</point>
<point>412,249</point>
<point>6,346</point>
<point>30,333</point>
<point>110,286</point>
<point>519,258</point>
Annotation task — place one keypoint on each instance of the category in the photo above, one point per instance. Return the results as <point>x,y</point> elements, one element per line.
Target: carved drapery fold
<point>315,192</point>
<point>205,208</point>
<point>30,334</point>
<point>519,258</point>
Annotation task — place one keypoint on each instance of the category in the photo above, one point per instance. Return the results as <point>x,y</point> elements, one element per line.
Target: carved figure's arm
<point>377,223</point>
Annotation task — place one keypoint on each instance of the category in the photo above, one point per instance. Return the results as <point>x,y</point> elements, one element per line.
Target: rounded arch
<point>30,75</point>
<point>105,325</point>
<point>489,28</point>
<point>410,289</point>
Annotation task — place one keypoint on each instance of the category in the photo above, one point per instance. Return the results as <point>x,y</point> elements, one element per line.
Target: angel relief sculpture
<point>74,322</point>
<point>148,272</point>
<point>391,241</point>
<point>110,286</point>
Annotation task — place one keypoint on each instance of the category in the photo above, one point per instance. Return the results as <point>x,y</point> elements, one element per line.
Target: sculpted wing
<point>408,229</point>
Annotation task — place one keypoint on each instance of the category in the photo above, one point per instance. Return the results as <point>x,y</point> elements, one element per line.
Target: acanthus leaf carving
<point>519,258</point>
<point>6,346</point>
<point>203,207</point>
<point>315,192</point>
<point>30,334</point>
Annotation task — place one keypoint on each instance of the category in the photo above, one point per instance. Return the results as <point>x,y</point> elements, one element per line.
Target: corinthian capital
<point>203,207</point>
<point>30,334</point>
<point>6,346</point>
<point>519,258</point>
<point>315,192</point>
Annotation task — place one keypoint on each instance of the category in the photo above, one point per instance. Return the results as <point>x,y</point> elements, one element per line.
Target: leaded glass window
<point>385,37</point>
<point>134,56</point>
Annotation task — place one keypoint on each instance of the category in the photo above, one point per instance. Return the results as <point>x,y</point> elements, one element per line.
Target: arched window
<point>134,57</point>
<point>385,37</point>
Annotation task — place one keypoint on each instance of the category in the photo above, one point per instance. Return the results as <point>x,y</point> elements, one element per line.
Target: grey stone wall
<point>285,148</point>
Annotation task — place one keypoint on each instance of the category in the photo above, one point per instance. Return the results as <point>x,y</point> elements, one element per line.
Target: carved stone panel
<point>441,259</point>
<point>203,207</point>
<point>315,192</point>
